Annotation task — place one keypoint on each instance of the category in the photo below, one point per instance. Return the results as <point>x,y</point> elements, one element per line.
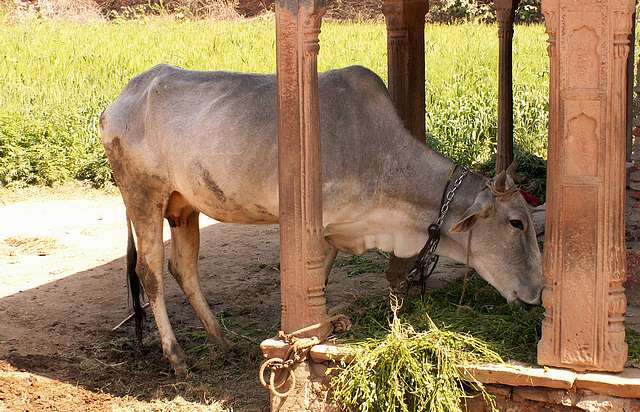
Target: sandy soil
<point>62,290</point>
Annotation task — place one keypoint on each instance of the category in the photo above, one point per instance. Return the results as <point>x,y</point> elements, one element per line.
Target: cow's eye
<point>517,224</point>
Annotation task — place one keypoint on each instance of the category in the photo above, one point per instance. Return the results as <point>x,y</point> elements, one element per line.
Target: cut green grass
<point>509,330</point>
<point>406,361</point>
<point>409,370</point>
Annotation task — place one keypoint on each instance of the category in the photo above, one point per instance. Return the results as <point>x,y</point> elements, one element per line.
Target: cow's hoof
<point>181,370</point>
<point>225,343</point>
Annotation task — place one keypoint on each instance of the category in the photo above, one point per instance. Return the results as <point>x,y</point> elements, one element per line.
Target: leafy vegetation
<point>633,342</point>
<point>57,76</point>
<point>451,11</point>
<point>440,11</point>
<point>405,361</point>
<point>509,330</point>
<point>411,371</point>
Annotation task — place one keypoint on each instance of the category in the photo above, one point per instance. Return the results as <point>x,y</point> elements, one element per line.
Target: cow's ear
<point>481,207</point>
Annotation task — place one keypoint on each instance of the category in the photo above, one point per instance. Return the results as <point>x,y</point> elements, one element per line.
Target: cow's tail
<point>135,288</point>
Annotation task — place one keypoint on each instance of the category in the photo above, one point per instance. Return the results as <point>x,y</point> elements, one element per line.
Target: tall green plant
<point>57,76</point>
<point>457,11</point>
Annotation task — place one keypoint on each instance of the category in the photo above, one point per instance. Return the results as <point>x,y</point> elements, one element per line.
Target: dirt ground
<point>63,288</point>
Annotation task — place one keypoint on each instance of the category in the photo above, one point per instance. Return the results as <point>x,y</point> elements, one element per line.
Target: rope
<point>502,194</point>
<point>298,352</point>
<point>467,271</point>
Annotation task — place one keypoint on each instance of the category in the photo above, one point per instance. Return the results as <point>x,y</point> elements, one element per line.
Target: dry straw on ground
<point>76,10</point>
<point>94,10</point>
<point>41,246</point>
<point>39,392</point>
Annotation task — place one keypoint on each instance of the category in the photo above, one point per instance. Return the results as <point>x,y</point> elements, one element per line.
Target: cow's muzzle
<point>530,298</point>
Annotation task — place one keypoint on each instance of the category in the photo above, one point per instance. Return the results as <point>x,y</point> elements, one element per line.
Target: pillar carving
<point>505,12</point>
<point>406,79</point>
<point>302,246</point>
<point>584,254</point>
<point>405,60</point>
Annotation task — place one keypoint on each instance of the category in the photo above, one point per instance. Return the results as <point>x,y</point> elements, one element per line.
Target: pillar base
<point>312,391</point>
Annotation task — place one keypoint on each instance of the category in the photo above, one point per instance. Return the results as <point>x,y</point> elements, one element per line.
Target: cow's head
<point>503,245</point>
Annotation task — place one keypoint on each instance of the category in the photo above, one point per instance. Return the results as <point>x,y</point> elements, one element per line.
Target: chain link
<point>427,258</point>
<point>450,195</point>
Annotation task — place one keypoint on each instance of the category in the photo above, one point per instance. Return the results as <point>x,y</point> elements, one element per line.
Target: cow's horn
<point>499,183</point>
<point>511,170</point>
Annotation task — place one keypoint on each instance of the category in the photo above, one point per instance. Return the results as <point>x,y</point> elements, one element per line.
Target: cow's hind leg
<point>148,228</point>
<point>183,265</point>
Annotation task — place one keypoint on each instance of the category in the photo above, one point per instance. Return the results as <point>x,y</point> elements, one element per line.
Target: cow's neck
<point>432,172</point>
<point>406,202</point>
<point>416,183</point>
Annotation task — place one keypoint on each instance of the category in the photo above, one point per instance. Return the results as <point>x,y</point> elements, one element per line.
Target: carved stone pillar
<point>406,74</point>
<point>302,245</point>
<point>405,60</point>
<point>505,12</point>
<point>584,254</point>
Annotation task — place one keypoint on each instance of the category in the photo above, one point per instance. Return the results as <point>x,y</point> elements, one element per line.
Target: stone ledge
<point>519,375</point>
<point>624,385</point>
<point>553,396</point>
<point>334,353</point>
<point>529,399</point>
<point>275,348</point>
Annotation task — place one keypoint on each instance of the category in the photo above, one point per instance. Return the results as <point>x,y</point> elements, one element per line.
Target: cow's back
<point>211,136</point>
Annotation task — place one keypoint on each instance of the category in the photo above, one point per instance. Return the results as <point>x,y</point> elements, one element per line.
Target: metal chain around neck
<point>427,258</point>
<point>444,209</point>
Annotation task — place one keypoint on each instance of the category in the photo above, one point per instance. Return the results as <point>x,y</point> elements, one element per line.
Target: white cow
<point>184,142</point>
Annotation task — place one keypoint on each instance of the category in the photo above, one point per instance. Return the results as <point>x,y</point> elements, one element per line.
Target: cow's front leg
<point>150,270</point>
<point>329,258</point>
<point>183,265</point>
<point>396,273</point>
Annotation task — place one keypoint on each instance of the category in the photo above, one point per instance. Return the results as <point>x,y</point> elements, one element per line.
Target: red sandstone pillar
<point>302,245</point>
<point>406,74</point>
<point>505,12</point>
<point>584,253</point>
<point>405,60</point>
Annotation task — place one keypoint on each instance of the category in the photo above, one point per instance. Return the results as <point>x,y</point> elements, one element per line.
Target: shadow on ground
<point>62,330</point>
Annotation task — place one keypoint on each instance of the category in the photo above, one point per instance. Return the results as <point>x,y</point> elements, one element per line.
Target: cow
<point>183,142</point>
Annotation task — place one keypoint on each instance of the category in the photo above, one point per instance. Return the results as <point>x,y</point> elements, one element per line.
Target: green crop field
<point>57,76</point>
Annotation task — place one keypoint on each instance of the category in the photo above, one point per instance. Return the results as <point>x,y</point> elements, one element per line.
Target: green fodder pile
<point>405,360</point>
<point>57,76</point>
<point>410,370</point>
<point>509,330</point>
